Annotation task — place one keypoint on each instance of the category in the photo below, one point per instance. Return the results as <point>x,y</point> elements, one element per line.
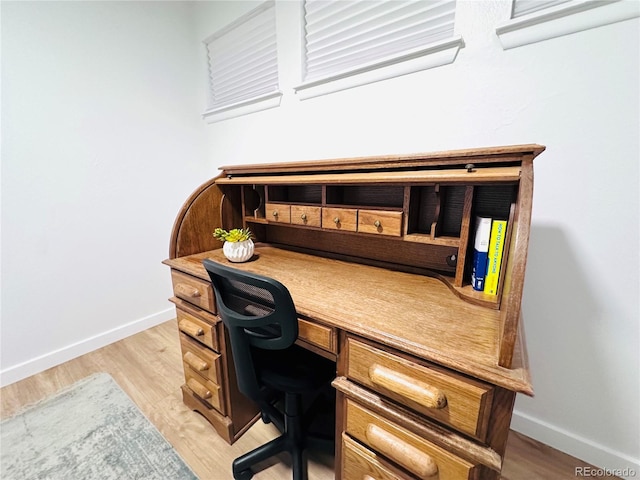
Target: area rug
<point>91,431</point>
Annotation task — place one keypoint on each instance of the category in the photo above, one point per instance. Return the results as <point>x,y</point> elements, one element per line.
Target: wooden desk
<point>427,369</point>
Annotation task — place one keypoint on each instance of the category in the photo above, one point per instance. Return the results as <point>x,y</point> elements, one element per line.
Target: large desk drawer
<point>193,290</point>
<point>198,329</point>
<point>200,359</point>
<point>207,391</point>
<point>420,457</point>
<point>359,463</point>
<point>445,396</point>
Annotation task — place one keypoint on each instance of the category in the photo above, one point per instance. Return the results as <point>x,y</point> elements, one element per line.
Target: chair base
<point>293,440</point>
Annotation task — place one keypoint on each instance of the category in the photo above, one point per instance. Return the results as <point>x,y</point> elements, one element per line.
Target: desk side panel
<point>200,215</point>
<point>516,266</point>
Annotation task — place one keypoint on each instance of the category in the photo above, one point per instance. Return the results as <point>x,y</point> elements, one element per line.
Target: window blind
<point>524,7</point>
<point>243,60</point>
<point>348,35</point>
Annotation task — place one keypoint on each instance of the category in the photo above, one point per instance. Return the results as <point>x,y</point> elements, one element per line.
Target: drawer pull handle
<point>377,224</point>
<point>195,362</point>
<point>336,220</point>
<point>190,328</point>
<point>199,389</point>
<point>187,290</point>
<point>420,392</point>
<point>303,216</point>
<point>275,213</point>
<point>401,452</point>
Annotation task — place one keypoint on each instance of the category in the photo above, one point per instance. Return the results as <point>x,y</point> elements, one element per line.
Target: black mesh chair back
<point>258,312</point>
<point>261,319</point>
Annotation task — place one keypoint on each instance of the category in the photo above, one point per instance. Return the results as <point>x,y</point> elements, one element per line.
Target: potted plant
<point>238,246</point>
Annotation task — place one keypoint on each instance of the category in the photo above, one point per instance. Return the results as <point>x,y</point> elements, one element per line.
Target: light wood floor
<point>148,367</point>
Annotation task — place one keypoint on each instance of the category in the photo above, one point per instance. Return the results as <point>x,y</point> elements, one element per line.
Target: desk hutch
<point>377,255</point>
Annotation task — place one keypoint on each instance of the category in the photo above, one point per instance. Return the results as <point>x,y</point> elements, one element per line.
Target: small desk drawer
<point>193,290</point>
<point>318,335</point>
<point>380,222</point>
<point>306,215</point>
<point>200,359</point>
<point>417,455</point>
<point>198,329</point>
<point>277,212</point>
<point>208,392</point>
<point>359,463</point>
<point>448,397</point>
<point>340,219</point>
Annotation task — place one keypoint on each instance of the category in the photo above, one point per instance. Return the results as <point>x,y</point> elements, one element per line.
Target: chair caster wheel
<point>265,418</point>
<point>243,475</point>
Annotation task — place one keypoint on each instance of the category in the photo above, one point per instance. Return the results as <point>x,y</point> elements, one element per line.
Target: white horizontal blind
<point>524,7</point>
<point>243,61</point>
<point>347,35</point>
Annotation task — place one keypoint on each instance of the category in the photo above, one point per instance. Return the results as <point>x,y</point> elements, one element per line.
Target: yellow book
<point>496,246</point>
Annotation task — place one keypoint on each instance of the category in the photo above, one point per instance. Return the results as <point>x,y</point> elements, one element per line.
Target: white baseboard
<point>23,370</point>
<point>599,456</point>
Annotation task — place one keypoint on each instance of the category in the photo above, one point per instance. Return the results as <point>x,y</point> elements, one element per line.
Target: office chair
<point>263,325</point>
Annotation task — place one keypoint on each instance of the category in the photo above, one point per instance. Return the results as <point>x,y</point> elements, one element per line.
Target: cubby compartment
<point>494,201</point>
<point>253,201</point>
<point>498,202</point>
<point>302,194</point>
<point>436,213</point>
<point>370,196</point>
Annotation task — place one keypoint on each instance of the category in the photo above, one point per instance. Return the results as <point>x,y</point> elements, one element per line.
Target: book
<point>496,247</point>
<point>480,252</point>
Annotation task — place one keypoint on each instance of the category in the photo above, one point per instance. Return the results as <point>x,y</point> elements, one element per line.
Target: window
<point>536,20</point>
<point>243,66</point>
<point>353,42</point>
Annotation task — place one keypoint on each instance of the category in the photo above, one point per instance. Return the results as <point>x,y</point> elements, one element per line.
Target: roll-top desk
<point>377,254</point>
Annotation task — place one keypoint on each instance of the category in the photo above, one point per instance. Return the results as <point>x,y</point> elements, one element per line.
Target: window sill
<point>441,53</point>
<point>263,102</point>
<point>564,19</point>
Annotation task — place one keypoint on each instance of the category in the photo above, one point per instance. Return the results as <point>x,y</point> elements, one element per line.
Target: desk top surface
<point>413,313</point>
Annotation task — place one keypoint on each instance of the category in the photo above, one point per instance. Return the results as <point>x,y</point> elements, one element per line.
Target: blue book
<point>480,252</point>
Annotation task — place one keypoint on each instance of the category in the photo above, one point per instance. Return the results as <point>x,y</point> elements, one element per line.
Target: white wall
<point>102,141</point>
<point>579,96</point>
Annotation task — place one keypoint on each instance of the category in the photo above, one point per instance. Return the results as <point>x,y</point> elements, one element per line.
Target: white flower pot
<point>238,251</point>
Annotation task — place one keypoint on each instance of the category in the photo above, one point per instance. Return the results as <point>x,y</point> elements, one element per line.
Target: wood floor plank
<point>148,367</point>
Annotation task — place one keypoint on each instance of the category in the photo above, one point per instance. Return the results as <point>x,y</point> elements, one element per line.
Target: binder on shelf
<point>480,252</point>
<point>496,247</point>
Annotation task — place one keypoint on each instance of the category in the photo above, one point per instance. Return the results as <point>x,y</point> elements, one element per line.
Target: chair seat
<point>294,370</point>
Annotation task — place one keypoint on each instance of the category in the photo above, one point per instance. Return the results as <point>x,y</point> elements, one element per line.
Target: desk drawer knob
<point>336,220</point>
<point>303,216</point>
<point>195,362</point>
<point>401,452</point>
<point>190,328</point>
<point>377,224</point>
<point>199,389</point>
<point>275,213</point>
<point>187,290</point>
<point>411,388</point>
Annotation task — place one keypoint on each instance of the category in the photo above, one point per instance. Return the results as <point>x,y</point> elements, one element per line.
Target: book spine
<point>480,253</point>
<point>496,246</point>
